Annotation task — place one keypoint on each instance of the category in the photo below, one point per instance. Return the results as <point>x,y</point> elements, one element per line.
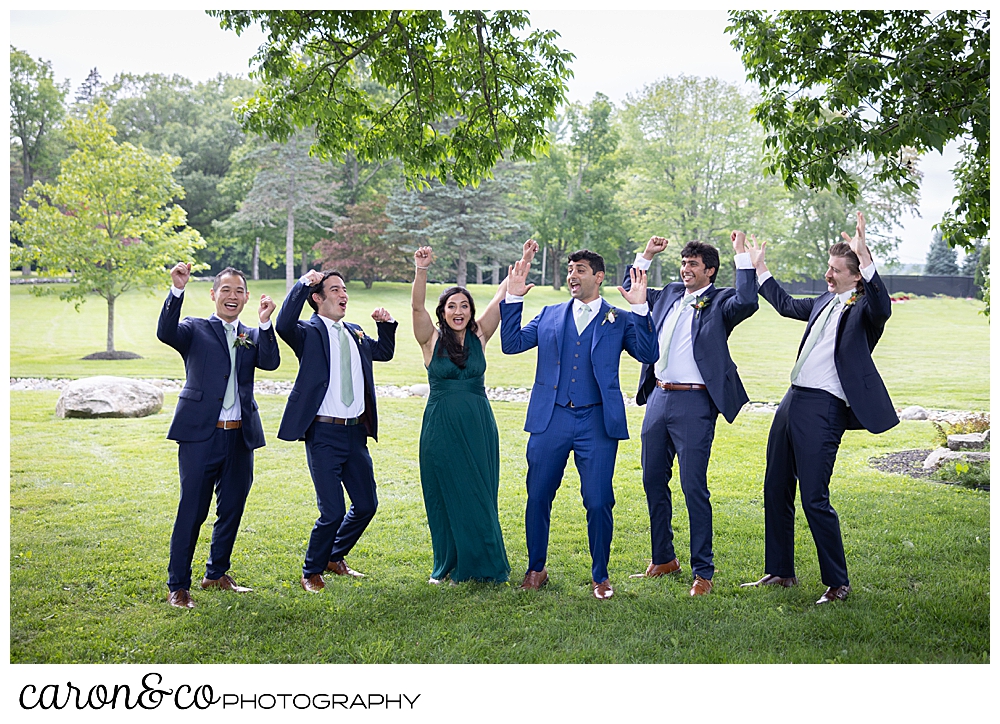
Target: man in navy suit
<point>693,381</point>
<point>216,423</point>
<point>835,386</point>
<point>332,407</point>
<point>576,402</point>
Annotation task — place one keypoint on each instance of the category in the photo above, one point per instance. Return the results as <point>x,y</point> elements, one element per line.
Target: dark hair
<point>843,250</point>
<point>320,288</point>
<point>457,352</point>
<point>708,253</point>
<point>595,260</point>
<point>225,272</point>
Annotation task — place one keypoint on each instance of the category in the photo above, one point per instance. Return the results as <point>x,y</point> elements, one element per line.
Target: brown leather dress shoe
<point>533,580</point>
<point>769,580</point>
<point>700,587</point>
<point>180,599</point>
<point>839,593</point>
<point>313,583</point>
<point>655,570</point>
<point>225,582</point>
<point>603,590</point>
<point>342,569</point>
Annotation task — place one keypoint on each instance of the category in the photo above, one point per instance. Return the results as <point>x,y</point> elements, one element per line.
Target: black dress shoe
<point>839,593</point>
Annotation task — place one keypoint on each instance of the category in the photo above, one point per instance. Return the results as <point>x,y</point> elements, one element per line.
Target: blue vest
<point>577,383</point>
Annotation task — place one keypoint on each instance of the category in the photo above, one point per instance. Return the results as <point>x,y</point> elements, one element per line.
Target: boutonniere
<point>610,316</point>
<point>850,302</point>
<point>703,301</point>
<point>359,333</point>
<point>243,340</point>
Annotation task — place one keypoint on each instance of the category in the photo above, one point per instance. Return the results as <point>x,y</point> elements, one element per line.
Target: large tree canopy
<point>464,89</point>
<point>876,82</point>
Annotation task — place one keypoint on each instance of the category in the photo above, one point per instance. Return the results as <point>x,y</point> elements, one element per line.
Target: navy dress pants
<point>338,460</point>
<point>802,446</point>
<point>222,464</point>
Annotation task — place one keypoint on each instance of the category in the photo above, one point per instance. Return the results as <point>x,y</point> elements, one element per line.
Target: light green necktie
<point>814,334</point>
<point>346,381</point>
<point>667,336</point>
<point>230,399</point>
<point>582,317</point>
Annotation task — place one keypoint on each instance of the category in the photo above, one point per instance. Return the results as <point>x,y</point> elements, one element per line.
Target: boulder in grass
<point>109,397</point>
<point>970,441</point>
<point>914,412</point>
<point>943,455</point>
<point>421,389</point>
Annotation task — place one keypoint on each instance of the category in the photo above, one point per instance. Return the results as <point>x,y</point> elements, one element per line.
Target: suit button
<point>574,367</point>
<point>576,355</point>
<point>555,387</point>
<point>572,380</point>
<point>577,344</point>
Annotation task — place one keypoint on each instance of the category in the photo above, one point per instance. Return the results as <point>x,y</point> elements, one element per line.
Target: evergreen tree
<point>971,261</point>
<point>942,260</point>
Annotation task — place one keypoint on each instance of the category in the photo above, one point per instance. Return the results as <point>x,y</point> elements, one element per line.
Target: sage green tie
<point>667,335</point>
<point>346,381</point>
<point>582,317</point>
<point>814,334</point>
<point>230,399</point>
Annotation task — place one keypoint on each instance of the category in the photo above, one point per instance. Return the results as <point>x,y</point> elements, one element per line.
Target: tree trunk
<point>305,262</point>
<point>545,253</point>
<point>290,251</point>
<point>111,324</point>
<point>26,269</point>
<point>496,274</point>
<point>658,272</point>
<point>556,277</point>
<point>463,268</point>
<point>479,274</point>
<point>255,264</point>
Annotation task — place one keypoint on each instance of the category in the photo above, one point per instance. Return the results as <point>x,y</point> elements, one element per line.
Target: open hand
<point>858,241</point>
<point>267,306</point>
<point>180,274</point>
<point>637,293</point>
<point>757,253</point>
<point>517,277</point>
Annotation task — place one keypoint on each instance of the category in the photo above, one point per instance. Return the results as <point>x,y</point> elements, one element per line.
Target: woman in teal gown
<point>459,444</point>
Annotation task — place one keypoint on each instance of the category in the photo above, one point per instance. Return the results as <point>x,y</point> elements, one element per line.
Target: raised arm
<point>781,300</point>
<point>489,321</point>
<point>423,326</point>
<point>169,330</point>
<point>743,304</point>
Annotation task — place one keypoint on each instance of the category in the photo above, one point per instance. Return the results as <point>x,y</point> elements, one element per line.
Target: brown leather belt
<point>229,424</point>
<point>338,420</point>
<point>678,387</point>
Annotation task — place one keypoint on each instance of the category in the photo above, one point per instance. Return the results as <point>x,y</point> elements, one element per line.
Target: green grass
<point>935,352</point>
<point>92,503</point>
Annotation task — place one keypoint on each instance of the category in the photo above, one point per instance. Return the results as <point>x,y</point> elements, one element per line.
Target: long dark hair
<point>449,340</point>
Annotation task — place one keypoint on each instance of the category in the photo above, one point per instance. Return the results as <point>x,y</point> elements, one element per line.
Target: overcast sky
<point>617,53</point>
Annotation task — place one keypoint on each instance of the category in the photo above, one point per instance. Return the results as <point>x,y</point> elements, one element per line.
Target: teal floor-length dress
<point>460,470</point>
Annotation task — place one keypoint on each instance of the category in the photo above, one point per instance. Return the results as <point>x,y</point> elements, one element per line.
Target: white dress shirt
<point>332,406</point>
<point>819,371</point>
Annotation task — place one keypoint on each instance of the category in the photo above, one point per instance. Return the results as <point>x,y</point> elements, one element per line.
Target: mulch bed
<point>908,462</point>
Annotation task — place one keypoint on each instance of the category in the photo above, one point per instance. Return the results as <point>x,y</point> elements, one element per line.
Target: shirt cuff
<point>743,261</point>
<point>642,262</point>
<point>304,281</point>
<point>641,309</point>
<point>175,291</point>
<point>868,271</point>
<point>513,299</point>
<point>264,325</point>
<point>761,278</point>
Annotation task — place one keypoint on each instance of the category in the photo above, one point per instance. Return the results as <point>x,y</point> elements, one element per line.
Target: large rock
<point>969,441</point>
<point>914,412</point>
<point>943,455</point>
<point>109,397</point>
<point>421,389</point>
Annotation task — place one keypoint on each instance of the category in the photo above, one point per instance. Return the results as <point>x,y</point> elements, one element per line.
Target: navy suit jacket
<point>861,326</point>
<point>310,341</point>
<point>710,330</point>
<point>634,334</point>
<point>202,344</point>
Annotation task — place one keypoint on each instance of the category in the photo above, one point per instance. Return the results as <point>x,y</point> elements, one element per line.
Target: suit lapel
<point>320,325</point>
<point>669,299</point>
<point>220,332</point>
<point>706,297</point>
<point>559,325</point>
<point>599,329</point>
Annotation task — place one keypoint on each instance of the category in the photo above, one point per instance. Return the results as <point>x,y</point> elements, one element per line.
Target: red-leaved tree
<point>359,248</point>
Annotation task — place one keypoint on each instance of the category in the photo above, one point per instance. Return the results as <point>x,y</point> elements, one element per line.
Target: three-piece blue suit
<point>809,424</point>
<point>681,423</point>
<point>576,404</point>
<point>211,458</point>
<point>337,454</point>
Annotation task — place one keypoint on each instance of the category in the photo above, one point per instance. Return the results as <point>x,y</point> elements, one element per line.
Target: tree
<point>875,83</point>
<point>108,218</point>
<point>942,260</point>
<point>463,89</point>
<point>574,187</point>
<point>695,170</point>
<point>971,261</point>
<point>36,106</point>
<point>360,249</point>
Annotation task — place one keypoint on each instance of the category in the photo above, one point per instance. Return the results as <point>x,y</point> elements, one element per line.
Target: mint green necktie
<point>230,399</point>
<point>667,336</point>
<point>346,381</point>
<point>582,317</point>
<point>814,334</point>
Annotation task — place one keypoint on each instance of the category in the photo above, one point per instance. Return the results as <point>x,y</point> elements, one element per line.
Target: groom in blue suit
<point>332,407</point>
<point>576,402</point>
<point>694,381</point>
<point>216,423</point>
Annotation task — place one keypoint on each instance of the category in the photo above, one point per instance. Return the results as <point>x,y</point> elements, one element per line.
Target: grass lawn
<point>92,505</point>
<point>935,352</point>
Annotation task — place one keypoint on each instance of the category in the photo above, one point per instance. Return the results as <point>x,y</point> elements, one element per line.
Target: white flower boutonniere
<point>611,316</point>
<point>243,340</point>
<point>359,333</point>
